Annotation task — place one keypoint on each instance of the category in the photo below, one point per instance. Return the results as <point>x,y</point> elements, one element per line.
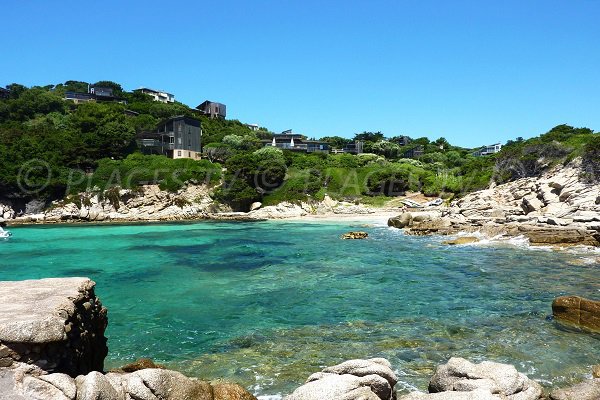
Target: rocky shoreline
<point>558,209</point>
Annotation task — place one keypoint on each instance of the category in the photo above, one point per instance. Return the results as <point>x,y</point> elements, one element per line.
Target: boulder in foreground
<point>56,324</point>
<point>460,379</point>
<point>371,379</point>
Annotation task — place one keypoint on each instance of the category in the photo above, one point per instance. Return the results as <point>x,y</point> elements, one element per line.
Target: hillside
<point>51,149</point>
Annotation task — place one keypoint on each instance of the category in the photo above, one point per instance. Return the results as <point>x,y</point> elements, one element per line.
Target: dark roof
<point>201,105</point>
<point>4,90</point>
<point>187,120</point>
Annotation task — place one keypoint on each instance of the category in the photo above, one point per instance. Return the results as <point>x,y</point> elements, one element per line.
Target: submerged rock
<point>355,235</point>
<point>461,240</point>
<point>577,311</point>
<point>371,379</point>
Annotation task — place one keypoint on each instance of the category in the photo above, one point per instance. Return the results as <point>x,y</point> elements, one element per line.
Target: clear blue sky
<point>475,72</point>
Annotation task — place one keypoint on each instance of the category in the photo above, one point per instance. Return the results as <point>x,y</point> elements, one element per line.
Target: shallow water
<point>266,304</point>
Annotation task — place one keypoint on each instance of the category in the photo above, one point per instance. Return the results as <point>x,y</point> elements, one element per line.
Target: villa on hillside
<point>95,93</point>
<point>213,109</point>
<point>487,150</point>
<point>296,142</point>
<point>157,95</point>
<point>350,148</point>
<point>414,152</point>
<point>177,137</point>
<point>253,127</point>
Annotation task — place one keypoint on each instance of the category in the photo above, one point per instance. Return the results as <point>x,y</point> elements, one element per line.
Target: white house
<point>158,95</point>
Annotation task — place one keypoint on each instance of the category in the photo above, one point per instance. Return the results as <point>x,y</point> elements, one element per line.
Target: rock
<point>334,387</point>
<point>461,240</point>
<point>587,390</point>
<point>64,382</point>
<point>37,389</point>
<point>373,366</point>
<point>95,386</point>
<point>45,322</point>
<point>230,391</point>
<point>167,385</point>
<point>596,371</point>
<point>558,236</point>
<point>577,311</point>
<point>137,365</point>
<point>255,206</point>
<point>495,378</point>
<point>479,394</point>
<point>355,235</point>
<point>401,221</point>
<point>354,379</point>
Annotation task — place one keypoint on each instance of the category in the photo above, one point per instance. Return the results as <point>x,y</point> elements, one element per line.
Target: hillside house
<point>487,150</point>
<point>213,109</point>
<point>177,137</point>
<point>157,95</point>
<point>296,142</point>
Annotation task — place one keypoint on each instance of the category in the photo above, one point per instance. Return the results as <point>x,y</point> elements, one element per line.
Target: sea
<point>266,304</point>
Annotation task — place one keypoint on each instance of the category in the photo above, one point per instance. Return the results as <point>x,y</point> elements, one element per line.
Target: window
<point>172,139</point>
<point>189,154</point>
<point>179,153</point>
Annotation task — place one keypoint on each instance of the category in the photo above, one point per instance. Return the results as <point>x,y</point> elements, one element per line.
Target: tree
<point>369,136</point>
<point>337,142</point>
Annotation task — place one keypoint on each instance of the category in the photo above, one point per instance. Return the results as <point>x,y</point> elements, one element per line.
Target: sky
<point>475,72</point>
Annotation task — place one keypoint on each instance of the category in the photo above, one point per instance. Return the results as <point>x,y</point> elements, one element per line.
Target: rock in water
<point>577,311</point>
<point>587,390</point>
<point>371,379</point>
<point>401,221</point>
<point>461,240</point>
<point>355,235</point>
<point>137,365</point>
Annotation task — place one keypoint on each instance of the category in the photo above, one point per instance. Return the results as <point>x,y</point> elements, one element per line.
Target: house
<point>213,109</point>
<point>403,140</point>
<point>487,150</point>
<point>177,137</point>
<point>104,93</point>
<point>4,93</point>
<point>253,127</point>
<point>78,97</point>
<point>157,95</point>
<point>296,142</point>
<point>414,152</point>
<point>351,148</point>
<point>95,93</point>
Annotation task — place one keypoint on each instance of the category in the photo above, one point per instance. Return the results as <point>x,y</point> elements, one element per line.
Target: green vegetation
<point>51,148</point>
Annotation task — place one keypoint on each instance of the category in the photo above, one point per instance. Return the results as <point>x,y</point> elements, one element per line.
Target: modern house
<point>95,93</point>
<point>414,152</point>
<point>403,140</point>
<point>296,142</point>
<point>177,137</point>
<point>157,95</point>
<point>4,93</point>
<point>487,150</point>
<point>78,97</point>
<point>253,127</point>
<point>351,148</point>
<point>213,109</point>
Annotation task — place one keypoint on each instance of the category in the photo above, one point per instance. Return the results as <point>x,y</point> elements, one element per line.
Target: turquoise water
<point>266,304</point>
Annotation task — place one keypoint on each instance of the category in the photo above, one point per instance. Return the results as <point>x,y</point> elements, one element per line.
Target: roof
<point>209,102</point>
<point>154,91</point>
<point>188,120</point>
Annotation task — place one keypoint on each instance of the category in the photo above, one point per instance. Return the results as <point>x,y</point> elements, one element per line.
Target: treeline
<point>50,147</point>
